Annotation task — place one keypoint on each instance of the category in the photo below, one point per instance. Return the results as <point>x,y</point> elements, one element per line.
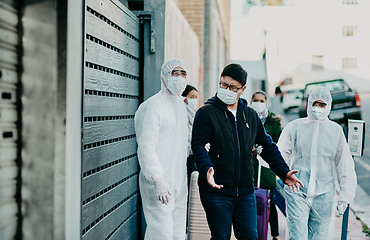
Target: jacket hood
<point>242,104</point>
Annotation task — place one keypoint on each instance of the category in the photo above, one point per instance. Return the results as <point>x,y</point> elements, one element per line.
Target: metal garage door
<point>111,97</point>
<point>9,168</point>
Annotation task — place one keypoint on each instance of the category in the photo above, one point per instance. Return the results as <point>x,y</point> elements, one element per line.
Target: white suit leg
<point>320,220</point>
<point>297,215</point>
<point>179,213</point>
<point>157,215</point>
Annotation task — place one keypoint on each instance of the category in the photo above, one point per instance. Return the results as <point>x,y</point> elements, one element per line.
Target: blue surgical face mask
<point>227,96</point>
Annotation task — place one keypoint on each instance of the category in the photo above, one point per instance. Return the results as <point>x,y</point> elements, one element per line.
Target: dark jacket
<point>273,128</point>
<point>231,147</point>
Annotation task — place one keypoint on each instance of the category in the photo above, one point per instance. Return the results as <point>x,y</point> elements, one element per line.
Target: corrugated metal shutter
<point>111,97</point>
<point>8,120</point>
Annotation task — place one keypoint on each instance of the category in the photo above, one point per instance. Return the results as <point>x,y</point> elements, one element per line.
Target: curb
<point>360,206</point>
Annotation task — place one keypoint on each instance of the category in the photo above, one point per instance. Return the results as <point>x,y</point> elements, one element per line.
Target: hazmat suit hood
<point>166,70</point>
<point>320,93</point>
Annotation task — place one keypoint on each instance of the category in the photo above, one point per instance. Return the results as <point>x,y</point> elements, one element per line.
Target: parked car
<point>346,101</point>
<point>292,96</point>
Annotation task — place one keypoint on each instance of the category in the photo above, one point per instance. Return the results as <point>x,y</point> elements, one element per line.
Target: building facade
<point>72,74</point>
<point>210,20</point>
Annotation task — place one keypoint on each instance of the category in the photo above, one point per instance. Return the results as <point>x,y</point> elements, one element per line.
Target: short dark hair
<point>236,72</point>
<point>188,89</point>
<point>259,92</point>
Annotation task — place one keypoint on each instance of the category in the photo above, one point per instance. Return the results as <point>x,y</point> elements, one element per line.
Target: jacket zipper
<point>238,176</point>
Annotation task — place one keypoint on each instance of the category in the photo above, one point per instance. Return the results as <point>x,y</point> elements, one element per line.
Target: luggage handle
<point>259,174</point>
<point>345,224</point>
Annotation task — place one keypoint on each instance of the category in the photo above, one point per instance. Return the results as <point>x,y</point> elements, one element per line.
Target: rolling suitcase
<point>263,208</point>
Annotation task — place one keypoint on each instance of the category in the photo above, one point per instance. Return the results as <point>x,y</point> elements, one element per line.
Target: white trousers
<point>310,220</point>
<point>164,222</point>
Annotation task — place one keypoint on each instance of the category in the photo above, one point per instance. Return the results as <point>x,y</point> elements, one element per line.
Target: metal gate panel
<point>97,104</point>
<point>8,119</point>
<point>104,130</point>
<point>111,57</point>
<point>100,31</point>
<point>100,155</point>
<point>111,98</point>
<point>109,82</point>
<point>129,230</point>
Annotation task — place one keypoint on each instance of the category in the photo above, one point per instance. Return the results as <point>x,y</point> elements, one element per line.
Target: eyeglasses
<point>319,104</point>
<point>231,87</point>
<point>177,73</point>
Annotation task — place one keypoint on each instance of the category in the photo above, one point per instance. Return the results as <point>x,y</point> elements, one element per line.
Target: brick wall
<point>193,12</point>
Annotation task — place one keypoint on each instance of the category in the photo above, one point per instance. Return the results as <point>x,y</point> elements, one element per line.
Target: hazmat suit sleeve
<point>147,127</point>
<point>345,168</point>
<point>285,143</point>
<point>270,152</point>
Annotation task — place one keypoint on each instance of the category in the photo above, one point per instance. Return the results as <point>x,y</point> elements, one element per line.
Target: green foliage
<point>366,230</point>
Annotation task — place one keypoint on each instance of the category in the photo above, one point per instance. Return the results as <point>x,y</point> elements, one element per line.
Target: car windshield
<point>333,86</point>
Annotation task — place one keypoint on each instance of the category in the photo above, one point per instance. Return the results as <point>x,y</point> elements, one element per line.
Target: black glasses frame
<point>231,87</point>
<point>179,72</point>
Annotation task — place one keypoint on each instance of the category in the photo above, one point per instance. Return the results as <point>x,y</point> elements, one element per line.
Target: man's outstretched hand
<point>292,181</point>
<point>211,178</point>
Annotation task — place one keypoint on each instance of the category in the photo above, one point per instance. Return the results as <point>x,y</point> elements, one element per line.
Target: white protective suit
<point>162,135</point>
<point>318,149</point>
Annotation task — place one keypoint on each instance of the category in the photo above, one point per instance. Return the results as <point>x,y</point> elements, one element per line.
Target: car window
<point>332,86</point>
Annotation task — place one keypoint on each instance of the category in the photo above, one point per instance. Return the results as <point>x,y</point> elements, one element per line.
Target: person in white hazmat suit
<point>162,138</point>
<point>316,146</point>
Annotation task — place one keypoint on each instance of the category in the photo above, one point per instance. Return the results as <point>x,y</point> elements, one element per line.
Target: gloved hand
<point>341,207</point>
<point>207,147</point>
<point>162,191</point>
<point>259,149</point>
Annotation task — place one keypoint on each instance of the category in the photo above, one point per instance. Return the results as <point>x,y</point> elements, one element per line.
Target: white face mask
<point>227,96</point>
<point>192,103</point>
<point>176,85</point>
<point>318,113</point>
<point>260,107</point>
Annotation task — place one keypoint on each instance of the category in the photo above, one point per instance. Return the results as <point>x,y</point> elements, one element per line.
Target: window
<point>349,63</point>
<point>332,86</point>
<point>317,62</point>
<point>349,31</point>
<point>350,2</point>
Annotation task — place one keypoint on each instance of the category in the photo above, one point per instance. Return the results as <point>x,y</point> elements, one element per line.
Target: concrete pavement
<point>354,224</point>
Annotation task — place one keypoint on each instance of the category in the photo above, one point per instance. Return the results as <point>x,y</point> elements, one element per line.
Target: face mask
<point>318,113</point>
<point>260,107</point>
<point>192,103</point>
<point>176,85</point>
<point>227,96</point>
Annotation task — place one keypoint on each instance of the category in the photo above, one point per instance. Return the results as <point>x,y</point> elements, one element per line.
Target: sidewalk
<point>354,227</point>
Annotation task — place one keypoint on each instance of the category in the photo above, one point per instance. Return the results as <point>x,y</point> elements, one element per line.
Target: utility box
<point>356,136</point>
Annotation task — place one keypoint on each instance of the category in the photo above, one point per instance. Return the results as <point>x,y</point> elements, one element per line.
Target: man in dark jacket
<point>226,171</point>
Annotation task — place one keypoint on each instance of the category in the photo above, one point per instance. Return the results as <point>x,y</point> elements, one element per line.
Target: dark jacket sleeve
<point>270,152</point>
<point>200,137</point>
